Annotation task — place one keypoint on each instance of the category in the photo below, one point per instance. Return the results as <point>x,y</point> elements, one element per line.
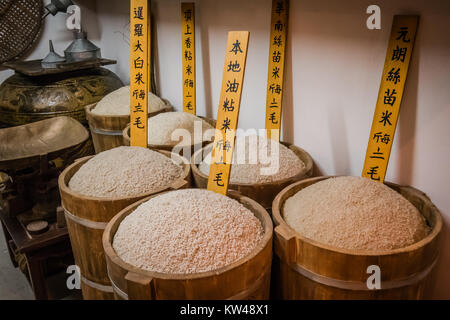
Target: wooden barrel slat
<point>87,218</point>
<point>306,269</point>
<point>106,130</point>
<point>263,193</point>
<point>248,278</point>
<point>300,287</point>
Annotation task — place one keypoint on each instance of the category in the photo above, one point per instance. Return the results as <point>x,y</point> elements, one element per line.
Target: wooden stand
<point>38,250</point>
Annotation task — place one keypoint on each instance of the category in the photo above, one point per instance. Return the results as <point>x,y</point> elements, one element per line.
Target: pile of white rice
<point>125,172</point>
<point>355,213</point>
<point>187,231</point>
<point>289,163</point>
<point>161,127</point>
<point>117,103</point>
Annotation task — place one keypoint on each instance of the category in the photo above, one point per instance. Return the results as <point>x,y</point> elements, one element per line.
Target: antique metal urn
<point>57,85</point>
<point>25,99</point>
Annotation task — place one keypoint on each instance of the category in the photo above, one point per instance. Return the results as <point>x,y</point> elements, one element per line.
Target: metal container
<point>81,49</point>
<point>26,99</point>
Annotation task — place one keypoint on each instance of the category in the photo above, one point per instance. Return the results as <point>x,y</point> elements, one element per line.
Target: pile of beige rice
<point>125,172</point>
<point>117,103</point>
<point>249,171</point>
<point>355,213</point>
<point>187,231</point>
<point>166,128</point>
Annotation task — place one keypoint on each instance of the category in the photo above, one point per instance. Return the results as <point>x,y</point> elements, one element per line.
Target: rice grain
<point>187,231</point>
<point>161,127</point>
<point>355,213</point>
<point>117,103</point>
<point>289,164</point>
<point>125,172</point>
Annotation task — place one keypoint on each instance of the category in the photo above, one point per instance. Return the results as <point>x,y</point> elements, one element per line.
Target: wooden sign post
<point>228,112</point>
<point>139,67</point>
<point>392,86</point>
<point>277,52</point>
<point>188,56</point>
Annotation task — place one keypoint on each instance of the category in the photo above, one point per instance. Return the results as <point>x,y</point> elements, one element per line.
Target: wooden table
<point>37,249</point>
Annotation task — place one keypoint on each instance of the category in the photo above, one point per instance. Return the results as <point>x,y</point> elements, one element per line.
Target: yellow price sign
<point>277,53</point>
<point>398,56</point>
<point>139,67</point>
<point>228,112</point>
<point>188,56</point>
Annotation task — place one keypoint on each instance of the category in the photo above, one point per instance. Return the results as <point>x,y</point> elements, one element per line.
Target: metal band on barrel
<point>117,290</point>
<point>96,285</point>
<point>362,286</point>
<point>106,132</point>
<point>85,222</point>
<point>244,293</point>
<point>253,288</point>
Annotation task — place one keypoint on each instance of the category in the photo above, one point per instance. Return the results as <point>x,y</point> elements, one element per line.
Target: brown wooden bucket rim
<point>118,218</point>
<point>279,221</point>
<point>238,296</point>
<point>126,137</point>
<point>65,188</point>
<point>308,168</point>
<point>88,109</point>
<point>89,112</point>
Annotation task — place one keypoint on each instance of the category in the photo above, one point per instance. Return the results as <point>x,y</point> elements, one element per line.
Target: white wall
<point>334,66</point>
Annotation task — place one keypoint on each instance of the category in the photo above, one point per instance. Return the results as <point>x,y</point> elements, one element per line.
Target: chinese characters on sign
<point>277,52</point>
<point>228,111</point>
<point>188,56</point>
<point>139,65</point>
<point>392,86</point>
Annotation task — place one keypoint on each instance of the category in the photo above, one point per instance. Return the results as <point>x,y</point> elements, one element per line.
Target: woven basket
<point>20,25</point>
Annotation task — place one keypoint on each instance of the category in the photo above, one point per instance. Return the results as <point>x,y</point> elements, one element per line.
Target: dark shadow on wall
<point>317,171</point>
<point>156,70</point>
<point>339,140</point>
<point>287,125</point>
<point>90,19</point>
<point>204,36</point>
<point>406,129</point>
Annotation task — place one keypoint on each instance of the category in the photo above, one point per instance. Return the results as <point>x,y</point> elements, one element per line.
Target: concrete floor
<point>13,284</point>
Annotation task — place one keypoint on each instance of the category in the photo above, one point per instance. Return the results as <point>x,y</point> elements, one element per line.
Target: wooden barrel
<point>194,147</point>
<point>247,278</point>
<point>306,269</point>
<point>263,193</point>
<point>106,131</point>
<point>87,218</point>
